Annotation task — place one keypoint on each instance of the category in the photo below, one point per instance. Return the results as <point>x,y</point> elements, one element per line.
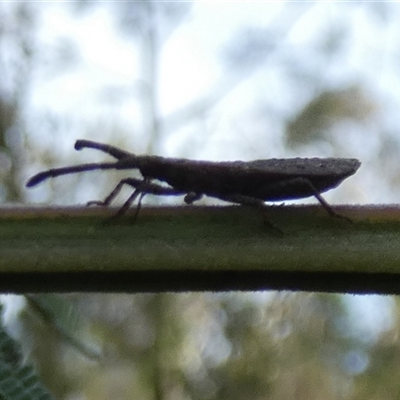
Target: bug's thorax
<point>162,168</point>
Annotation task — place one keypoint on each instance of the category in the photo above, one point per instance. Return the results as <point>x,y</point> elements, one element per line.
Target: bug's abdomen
<point>293,188</point>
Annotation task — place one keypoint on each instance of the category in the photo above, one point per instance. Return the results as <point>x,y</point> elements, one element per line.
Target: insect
<point>249,183</point>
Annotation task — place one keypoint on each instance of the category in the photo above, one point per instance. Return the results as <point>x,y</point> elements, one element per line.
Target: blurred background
<point>215,81</point>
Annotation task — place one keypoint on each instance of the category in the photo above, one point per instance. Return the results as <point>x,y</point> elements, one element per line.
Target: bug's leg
<point>329,209</point>
<point>138,191</point>
<point>124,207</point>
<point>112,195</point>
<point>307,185</point>
<point>151,188</point>
<point>251,202</point>
<point>147,187</point>
<point>142,187</point>
<point>139,206</point>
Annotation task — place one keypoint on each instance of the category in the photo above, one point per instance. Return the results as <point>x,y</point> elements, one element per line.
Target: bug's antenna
<point>111,150</point>
<point>51,173</point>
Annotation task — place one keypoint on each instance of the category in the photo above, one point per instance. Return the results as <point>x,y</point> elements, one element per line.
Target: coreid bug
<point>248,183</point>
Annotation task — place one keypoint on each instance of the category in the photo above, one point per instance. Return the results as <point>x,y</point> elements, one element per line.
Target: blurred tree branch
<point>186,249</point>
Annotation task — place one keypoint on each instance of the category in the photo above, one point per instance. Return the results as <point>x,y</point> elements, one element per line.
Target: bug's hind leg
<point>310,189</point>
<point>329,209</point>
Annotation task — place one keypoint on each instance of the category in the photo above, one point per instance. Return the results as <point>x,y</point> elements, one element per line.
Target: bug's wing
<point>306,167</point>
<point>284,179</point>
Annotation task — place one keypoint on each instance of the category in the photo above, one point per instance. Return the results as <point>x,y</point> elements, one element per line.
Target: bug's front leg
<point>148,188</point>
<point>142,187</point>
<point>137,192</point>
<point>107,201</point>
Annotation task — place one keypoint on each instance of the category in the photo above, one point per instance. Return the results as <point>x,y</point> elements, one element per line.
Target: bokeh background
<point>216,81</point>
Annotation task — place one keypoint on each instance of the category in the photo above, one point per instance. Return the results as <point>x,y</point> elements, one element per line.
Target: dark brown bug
<point>248,183</point>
